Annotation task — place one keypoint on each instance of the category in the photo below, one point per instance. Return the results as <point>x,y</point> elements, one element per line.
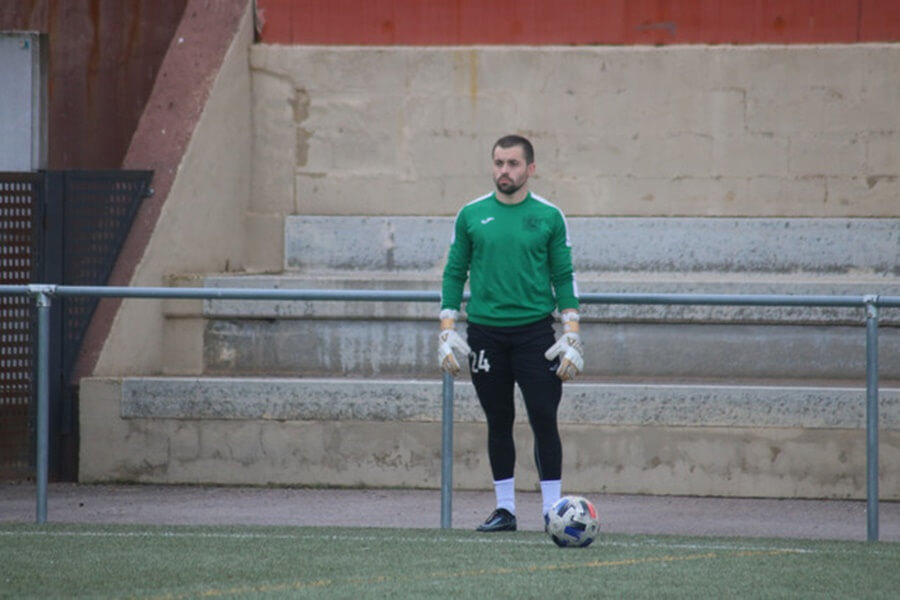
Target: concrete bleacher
<point>720,256</point>
<point>302,159</point>
<point>680,399</point>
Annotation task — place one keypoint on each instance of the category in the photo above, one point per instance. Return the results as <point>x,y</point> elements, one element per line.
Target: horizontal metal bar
<point>740,299</point>
<point>14,290</point>
<point>252,294</point>
<point>433,296</point>
<point>223,293</point>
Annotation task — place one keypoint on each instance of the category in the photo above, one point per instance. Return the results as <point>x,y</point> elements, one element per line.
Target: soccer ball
<point>572,522</point>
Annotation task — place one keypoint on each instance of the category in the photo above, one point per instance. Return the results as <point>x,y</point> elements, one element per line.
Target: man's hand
<point>568,348</point>
<point>450,343</point>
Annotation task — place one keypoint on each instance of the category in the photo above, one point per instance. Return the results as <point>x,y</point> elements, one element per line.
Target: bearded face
<point>510,169</point>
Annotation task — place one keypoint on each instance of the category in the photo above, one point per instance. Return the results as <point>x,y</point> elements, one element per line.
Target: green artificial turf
<point>69,561</point>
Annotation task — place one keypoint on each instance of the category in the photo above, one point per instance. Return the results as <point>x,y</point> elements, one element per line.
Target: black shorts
<point>501,358</point>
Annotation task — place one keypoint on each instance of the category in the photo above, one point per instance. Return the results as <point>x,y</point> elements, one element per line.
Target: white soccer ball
<point>572,522</point>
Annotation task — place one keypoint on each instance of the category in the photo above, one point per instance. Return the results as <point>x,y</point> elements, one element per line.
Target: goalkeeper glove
<point>450,343</point>
<point>568,348</point>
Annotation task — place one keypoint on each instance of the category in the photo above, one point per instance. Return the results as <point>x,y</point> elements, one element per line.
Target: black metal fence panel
<point>20,223</point>
<point>63,227</point>
<point>98,210</point>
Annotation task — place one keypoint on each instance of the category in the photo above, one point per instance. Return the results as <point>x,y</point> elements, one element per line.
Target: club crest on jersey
<point>531,223</point>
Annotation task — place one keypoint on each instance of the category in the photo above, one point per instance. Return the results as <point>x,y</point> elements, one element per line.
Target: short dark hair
<point>508,141</point>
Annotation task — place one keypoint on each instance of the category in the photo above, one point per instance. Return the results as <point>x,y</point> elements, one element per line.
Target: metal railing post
<point>871,418</point>
<point>43,399</point>
<point>447,452</point>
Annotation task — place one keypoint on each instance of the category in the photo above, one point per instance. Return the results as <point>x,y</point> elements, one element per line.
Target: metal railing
<point>44,293</point>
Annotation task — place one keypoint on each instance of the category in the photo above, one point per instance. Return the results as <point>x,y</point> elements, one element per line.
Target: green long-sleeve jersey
<point>517,258</point>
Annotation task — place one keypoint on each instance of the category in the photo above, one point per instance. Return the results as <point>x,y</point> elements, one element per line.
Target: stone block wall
<point>753,131</point>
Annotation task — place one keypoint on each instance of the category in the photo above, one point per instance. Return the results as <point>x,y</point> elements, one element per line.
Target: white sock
<point>551,490</point>
<point>505,490</point>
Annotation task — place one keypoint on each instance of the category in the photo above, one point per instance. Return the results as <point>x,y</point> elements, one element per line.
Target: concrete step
<point>716,440</point>
<point>839,246</point>
<point>588,282</point>
<point>405,348</point>
<point>667,255</point>
<point>396,339</point>
<point>584,402</point>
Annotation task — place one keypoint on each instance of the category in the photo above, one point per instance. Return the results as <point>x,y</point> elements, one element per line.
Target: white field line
<point>502,540</point>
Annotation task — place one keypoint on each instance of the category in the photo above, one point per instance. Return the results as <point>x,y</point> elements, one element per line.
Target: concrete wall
<point>794,442</point>
<point>202,223</point>
<point>803,132</point>
<point>800,131</point>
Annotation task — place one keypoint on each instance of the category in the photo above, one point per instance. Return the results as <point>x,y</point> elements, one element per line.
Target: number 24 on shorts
<point>479,362</point>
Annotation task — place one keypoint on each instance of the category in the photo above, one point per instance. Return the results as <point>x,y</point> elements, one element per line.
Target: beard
<point>508,186</point>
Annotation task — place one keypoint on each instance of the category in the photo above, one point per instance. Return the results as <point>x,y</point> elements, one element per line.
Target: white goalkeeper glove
<point>568,348</point>
<point>450,343</point>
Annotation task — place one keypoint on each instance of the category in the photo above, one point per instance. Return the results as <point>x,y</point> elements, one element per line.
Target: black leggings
<point>502,357</point>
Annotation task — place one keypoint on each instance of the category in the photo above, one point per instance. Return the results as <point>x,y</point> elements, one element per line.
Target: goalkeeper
<point>513,247</point>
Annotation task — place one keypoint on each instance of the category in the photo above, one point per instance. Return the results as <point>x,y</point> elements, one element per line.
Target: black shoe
<point>500,520</point>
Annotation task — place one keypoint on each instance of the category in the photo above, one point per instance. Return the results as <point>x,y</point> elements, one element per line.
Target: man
<point>513,247</point>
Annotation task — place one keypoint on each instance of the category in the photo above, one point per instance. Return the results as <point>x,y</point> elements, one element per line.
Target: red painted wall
<point>544,22</point>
